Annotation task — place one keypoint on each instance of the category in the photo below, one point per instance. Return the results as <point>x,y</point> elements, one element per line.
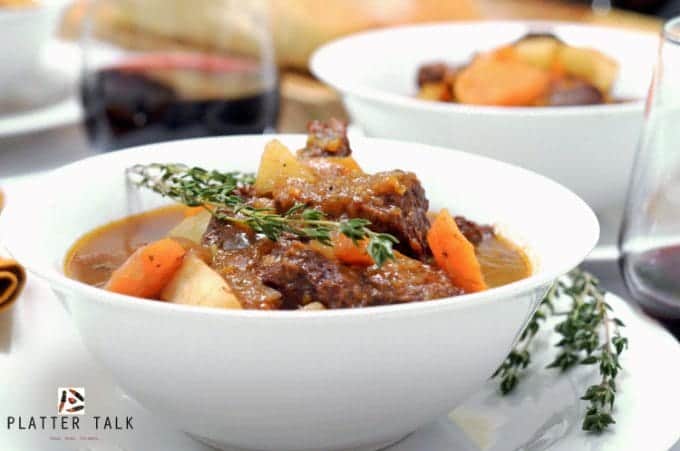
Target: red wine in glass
<point>650,234</point>
<point>653,278</point>
<point>157,98</point>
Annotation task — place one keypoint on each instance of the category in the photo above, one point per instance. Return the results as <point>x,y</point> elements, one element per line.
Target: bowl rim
<point>359,90</point>
<point>58,280</point>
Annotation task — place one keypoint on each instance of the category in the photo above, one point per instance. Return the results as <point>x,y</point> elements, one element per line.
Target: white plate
<point>41,351</point>
<point>49,97</point>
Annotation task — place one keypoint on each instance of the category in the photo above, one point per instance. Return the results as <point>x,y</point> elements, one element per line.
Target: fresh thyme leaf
<point>353,228</point>
<point>311,214</point>
<point>585,338</point>
<point>216,190</point>
<point>192,186</point>
<point>380,247</point>
<point>297,208</point>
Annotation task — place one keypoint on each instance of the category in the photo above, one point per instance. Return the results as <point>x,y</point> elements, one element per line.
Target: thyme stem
<point>586,339</point>
<point>218,192</point>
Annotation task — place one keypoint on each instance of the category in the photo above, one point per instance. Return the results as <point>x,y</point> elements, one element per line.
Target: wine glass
<point>158,71</point>
<point>650,237</point>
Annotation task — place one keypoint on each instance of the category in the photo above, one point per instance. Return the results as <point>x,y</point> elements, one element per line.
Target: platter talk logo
<point>71,401</point>
<point>69,416</point>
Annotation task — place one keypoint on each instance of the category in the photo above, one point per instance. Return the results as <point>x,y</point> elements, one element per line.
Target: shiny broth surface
<point>94,256</point>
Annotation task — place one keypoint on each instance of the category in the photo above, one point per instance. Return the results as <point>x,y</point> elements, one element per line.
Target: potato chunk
<point>196,283</point>
<point>192,228</point>
<point>590,65</point>
<point>277,165</point>
<point>539,51</point>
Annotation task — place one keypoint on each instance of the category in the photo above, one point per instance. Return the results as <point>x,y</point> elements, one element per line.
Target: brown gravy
<point>95,255</point>
<point>502,261</point>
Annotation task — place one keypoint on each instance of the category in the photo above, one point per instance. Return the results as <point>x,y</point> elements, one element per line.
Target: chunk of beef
<point>239,268</point>
<point>569,92</point>
<point>474,232</point>
<point>405,279</point>
<point>437,73</point>
<point>431,73</point>
<point>223,235</point>
<point>326,139</point>
<point>304,275</point>
<point>289,274</point>
<point>393,201</point>
<point>237,253</point>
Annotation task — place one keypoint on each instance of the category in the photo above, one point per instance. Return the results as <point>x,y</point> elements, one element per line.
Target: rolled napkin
<point>12,276</point>
<point>12,281</point>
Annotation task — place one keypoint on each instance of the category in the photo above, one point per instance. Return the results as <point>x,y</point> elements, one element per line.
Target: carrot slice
<point>146,272</point>
<point>502,82</point>
<point>353,254</point>
<point>556,70</point>
<point>455,254</point>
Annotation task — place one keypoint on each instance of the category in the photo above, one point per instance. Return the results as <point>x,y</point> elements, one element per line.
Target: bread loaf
<point>297,26</point>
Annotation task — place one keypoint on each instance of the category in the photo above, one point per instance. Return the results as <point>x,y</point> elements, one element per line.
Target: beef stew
<point>297,235</point>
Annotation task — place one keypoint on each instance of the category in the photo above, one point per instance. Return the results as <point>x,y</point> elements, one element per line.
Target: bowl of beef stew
<point>298,292</point>
<point>561,99</point>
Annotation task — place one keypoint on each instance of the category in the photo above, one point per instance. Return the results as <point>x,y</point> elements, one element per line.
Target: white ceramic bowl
<point>23,32</point>
<point>589,149</point>
<point>294,380</point>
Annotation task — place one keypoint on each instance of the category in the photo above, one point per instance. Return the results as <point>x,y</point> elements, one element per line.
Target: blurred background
<point>80,77</point>
<point>297,27</point>
<point>253,53</point>
<point>275,37</point>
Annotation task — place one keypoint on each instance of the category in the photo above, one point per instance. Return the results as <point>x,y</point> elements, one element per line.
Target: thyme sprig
<point>191,186</point>
<point>217,191</point>
<point>589,335</point>
<point>520,357</point>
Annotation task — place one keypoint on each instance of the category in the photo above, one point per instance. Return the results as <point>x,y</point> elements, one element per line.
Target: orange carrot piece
<point>455,254</point>
<point>353,254</point>
<point>556,70</point>
<point>502,82</point>
<point>146,272</point>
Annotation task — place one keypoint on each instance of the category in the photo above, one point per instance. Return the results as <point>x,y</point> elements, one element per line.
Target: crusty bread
<point>298,26</point>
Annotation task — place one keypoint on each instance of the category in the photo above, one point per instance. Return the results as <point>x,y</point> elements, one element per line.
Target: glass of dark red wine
<point>158,70</point>
<point>650,237</point>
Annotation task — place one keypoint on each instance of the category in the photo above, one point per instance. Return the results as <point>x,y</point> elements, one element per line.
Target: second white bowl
<point>589,149</point>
